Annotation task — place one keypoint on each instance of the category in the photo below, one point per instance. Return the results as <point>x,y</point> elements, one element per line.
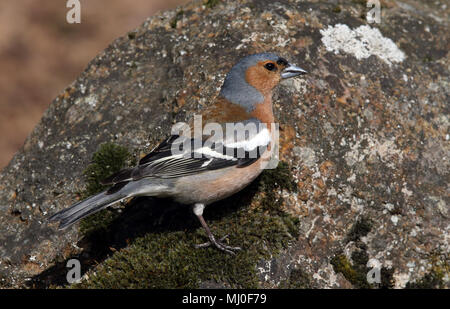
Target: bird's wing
<point>178,156</point>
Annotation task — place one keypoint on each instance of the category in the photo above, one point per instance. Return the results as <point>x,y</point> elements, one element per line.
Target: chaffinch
<point>208,167</point>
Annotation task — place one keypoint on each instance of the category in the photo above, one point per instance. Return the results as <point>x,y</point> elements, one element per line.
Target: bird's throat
<point>264,111</point>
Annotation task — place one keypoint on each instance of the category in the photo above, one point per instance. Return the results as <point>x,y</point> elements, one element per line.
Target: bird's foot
<point>219,244</point>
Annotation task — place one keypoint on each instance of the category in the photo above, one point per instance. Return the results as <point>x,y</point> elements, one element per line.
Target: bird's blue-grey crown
<point>237,90</point>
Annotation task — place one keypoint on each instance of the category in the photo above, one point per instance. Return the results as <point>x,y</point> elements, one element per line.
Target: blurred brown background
<point>41,54</point>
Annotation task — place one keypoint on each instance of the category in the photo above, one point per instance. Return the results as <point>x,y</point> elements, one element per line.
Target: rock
<point>372,129</point>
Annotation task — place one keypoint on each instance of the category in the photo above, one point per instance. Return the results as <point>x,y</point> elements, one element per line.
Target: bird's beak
<point>291,71</point>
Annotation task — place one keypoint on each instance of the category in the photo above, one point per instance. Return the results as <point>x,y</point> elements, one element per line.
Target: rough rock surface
<point>366,134</point>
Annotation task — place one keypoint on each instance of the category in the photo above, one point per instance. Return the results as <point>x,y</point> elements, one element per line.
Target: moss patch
<point>355,270</point>
<point>132,35</point>
<point>108,159</point>
<point>4,282</point>
<point>177,17</point>
<point>167,258</point>
<point>298,279</point>
<point>211,3</point>
<point>434,279</point>
<point>337,9</point>
<point>360,229</point>
<point>360,2</point>
<point>342,265</point>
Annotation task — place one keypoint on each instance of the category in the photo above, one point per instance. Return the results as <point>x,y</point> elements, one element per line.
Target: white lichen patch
<point>394,219</point>
<point>327,276</point>
<point>307,156</point>
<point>441,205</point>
<point>400,279</point>
<point>90,100</point>
<point>265,270</point>
<point>277,37</point>
<point>405,191</point>
<point>300,85</point>
<point>361,42</point>
<point>386,151</point>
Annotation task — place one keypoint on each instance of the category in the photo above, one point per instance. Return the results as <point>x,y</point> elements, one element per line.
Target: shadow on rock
<point>141,216</point>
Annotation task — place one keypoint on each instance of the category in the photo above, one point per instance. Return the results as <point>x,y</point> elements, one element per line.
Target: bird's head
<point>254,77</point>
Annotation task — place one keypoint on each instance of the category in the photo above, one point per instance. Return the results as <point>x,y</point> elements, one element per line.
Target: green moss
<point>177,17</point>
<point>360,257</point>
<point>168,259</point>
<point>108,159</point>
<point>298,279</point>
<point>98,222</point>
<point>387,278</point>
<point>337,9</point>
<point>356,270</point>
<point>434,278</point>
<point>427,59</point>
<point>431,280</point>
<point>342,265</point>
<point>280,177</point>
<point>211,3</point>
<point>132,35</point>
<point>360,229</point>
<point>360,2</point>
<point>4,282</point>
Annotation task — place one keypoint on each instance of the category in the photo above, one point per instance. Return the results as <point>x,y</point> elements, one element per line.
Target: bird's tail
<point>119,191</point>
<point>87,207</point>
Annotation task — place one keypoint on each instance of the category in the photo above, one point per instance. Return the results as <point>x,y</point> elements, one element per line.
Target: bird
<point>205,168</point>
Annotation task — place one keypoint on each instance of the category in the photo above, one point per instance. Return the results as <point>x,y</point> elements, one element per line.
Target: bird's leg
<point>198,211</point>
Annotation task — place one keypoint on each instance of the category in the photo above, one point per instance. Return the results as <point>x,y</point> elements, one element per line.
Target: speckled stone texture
<point>367,139</point>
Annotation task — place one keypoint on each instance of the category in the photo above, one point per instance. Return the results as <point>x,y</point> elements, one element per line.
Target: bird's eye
<point>270,66</point>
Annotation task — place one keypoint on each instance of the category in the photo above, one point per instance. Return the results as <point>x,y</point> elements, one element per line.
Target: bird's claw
<point>219,245</point>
